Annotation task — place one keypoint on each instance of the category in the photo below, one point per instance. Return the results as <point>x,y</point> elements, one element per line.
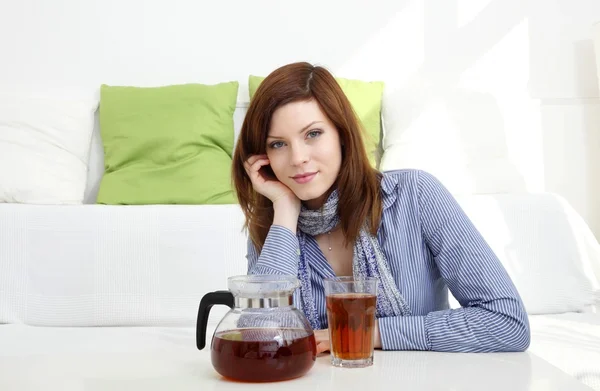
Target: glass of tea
<point>351,306</point>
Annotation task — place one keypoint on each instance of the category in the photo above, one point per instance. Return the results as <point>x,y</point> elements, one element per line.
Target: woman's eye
<point>276,144</point>
<point>314,133</point>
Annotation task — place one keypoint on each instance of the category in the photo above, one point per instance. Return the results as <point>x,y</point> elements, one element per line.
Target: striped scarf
<point>368,261</point>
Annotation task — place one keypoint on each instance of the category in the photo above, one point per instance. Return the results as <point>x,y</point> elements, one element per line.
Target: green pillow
<point>365,98</point>
<point>167,145</point>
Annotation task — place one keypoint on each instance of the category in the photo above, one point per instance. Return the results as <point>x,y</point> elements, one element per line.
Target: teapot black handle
<point>210,299</point>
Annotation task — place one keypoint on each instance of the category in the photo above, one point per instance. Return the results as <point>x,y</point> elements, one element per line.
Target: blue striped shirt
<point>431,246</point>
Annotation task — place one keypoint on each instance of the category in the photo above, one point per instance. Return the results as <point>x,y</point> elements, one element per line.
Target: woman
<point>315,208</point>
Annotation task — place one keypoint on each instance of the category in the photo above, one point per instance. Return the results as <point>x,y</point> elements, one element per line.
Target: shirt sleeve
<point>492,316</point>
<point>279,254</point>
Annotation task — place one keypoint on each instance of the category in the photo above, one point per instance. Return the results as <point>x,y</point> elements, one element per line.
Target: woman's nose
<point>300,155</point>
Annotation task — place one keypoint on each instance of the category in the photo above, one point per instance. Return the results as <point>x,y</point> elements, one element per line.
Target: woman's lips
<point>305,178</point>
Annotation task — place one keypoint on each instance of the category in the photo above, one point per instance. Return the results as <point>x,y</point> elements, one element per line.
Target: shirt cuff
<point>279,253</point>
<point>403,333</point>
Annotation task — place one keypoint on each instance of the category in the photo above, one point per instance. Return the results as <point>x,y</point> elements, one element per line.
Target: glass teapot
<point>264,337</point>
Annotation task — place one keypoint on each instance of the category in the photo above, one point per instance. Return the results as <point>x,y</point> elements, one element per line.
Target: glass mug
<point>351,306</point>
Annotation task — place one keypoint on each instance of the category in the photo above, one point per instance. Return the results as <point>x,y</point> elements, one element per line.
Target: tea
<point>351,319</point>
<point>263,354</point>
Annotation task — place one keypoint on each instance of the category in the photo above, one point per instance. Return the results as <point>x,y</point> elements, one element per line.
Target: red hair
<point>358,183</point>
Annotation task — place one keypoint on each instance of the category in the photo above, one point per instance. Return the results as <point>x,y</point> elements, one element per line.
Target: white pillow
<point>458,139</point>
<point>44,148</point>
<point>544,245</point>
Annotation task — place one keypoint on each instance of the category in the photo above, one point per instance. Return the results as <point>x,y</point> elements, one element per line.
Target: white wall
<point>532,59</point>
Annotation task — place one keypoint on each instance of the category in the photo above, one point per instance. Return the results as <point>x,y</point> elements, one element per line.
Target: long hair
<point>358,183</point>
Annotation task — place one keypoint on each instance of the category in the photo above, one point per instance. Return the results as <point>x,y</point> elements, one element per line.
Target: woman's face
<point>304,151</point>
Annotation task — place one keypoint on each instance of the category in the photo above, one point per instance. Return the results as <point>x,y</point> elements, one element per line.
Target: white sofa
<point>97,265</point>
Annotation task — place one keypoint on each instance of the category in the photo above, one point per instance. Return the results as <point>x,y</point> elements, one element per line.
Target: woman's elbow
<point>515,335</point>
<point>520,340</point>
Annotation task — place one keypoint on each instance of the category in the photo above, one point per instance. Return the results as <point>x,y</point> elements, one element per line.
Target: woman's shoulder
<point>394,180</point>
<point>407,175</point>
<point>408,183</point>
<point>400,175</point>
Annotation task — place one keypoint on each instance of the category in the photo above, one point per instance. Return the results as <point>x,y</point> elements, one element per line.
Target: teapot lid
<point>260,285</point>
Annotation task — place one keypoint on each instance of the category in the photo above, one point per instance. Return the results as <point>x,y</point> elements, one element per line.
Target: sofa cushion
<point>545,246</point>
<point>167,145</point>
<point>150,265</point>
<point>44,148</point>
<point>365,98</point>
<point>116,265</point>
<point>455,137</point>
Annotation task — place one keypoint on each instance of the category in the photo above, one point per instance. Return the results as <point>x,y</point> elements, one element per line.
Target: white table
<point>148,359</point>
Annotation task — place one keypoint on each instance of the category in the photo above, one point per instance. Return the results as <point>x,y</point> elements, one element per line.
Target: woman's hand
<point>269,187</point>
<point>286,204</point>
<point>322,338</point>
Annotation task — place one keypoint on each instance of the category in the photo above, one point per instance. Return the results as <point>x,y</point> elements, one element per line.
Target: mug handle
<point>210,299</point>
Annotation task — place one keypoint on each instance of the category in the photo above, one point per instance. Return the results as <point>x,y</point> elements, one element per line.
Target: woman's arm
<point>492,317</point>
<point>279,254</point>
<point>280,251</point>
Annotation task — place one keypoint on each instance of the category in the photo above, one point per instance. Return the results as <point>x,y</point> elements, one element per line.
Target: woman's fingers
<point>322,339</point>
<point>263,184</point>
<point>252,159</point>
<point>254,164</point>
<point>323,347</point>
<point>255,167</point>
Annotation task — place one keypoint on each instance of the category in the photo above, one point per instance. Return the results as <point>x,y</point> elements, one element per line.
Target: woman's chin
<point>306,196</point>
<point>312,201</point>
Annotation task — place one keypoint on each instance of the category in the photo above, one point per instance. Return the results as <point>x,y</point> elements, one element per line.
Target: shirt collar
<point>389,189</point>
